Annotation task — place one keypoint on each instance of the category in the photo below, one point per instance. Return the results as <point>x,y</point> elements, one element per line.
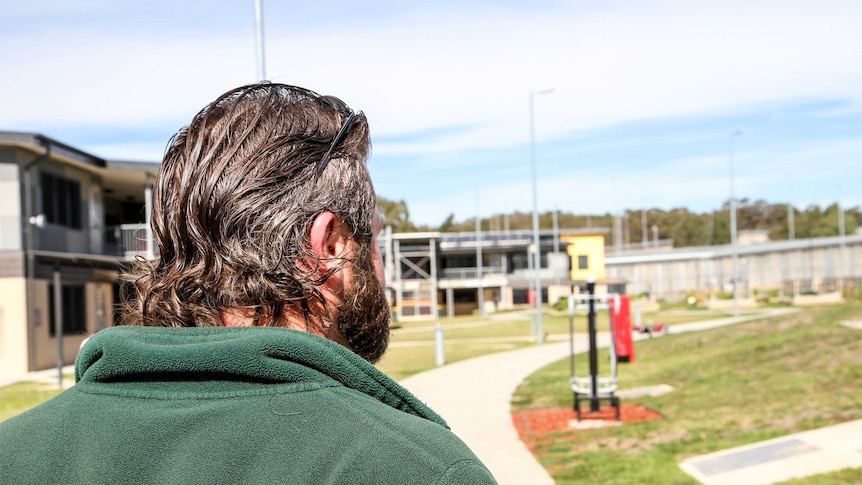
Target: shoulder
<point>407,448</point>
<point>466,472</point>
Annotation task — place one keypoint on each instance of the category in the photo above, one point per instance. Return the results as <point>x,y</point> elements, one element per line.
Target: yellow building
<point>587,252</point>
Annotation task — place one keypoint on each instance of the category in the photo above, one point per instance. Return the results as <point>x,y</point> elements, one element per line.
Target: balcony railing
<point>470,273</point>
<point>127,241</point>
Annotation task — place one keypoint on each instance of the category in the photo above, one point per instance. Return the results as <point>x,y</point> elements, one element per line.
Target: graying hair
<point>234,202</point>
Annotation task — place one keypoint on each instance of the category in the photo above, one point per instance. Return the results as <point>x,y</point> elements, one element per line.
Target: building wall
<point>10,208</point>
<point>13,326</point>
<point>811,267</point>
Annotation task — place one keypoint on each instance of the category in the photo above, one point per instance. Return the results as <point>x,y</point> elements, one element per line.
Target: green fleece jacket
<point>230,405</point>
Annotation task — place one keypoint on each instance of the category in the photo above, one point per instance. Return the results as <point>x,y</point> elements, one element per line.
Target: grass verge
<point>17,398</point>
<point>552,323</point>
<point>733,386</point>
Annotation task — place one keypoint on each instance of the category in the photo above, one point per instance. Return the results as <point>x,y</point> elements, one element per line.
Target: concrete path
<point>47,377</point>
<point>474,397</point>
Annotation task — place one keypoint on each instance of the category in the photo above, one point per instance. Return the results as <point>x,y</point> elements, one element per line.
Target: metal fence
<point>126,241</point>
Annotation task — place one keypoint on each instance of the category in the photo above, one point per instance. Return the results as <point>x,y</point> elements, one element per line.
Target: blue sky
<point>645,93</point>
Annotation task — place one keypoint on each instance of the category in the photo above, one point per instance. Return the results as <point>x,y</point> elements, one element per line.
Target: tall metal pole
<point>258,28</point>
<point>556,246</point>
<point>58,324</point>
<point>148,215</point>
<point>842,235</point>
<point>644,236</point>
<point>791,226</point>
<point>480,287</point>
<point>594,356</point>
<point>733,247</point>
<point>540,337</point>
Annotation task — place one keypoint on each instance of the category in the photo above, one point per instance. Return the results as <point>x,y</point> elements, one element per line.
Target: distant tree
<point>686,228</point>
<point>396,214</point>
<point>448,224</point>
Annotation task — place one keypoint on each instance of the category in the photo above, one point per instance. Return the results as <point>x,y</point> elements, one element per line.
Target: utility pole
<point>540,336</point>
<point>480,287</point>
<point>733,245</point>
<point>644,235</point>
<point>556,246</point>
<point>258,24</point>
<point>791,229</point>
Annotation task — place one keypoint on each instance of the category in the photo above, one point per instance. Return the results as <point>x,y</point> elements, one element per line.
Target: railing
<point>470,273</point>
<point>126,241</point>
<point>494,238</point>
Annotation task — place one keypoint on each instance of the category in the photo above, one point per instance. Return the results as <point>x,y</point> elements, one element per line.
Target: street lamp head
<point>542,91</point>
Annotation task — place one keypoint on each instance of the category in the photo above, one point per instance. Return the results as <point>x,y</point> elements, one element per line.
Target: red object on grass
<point>622,326</point>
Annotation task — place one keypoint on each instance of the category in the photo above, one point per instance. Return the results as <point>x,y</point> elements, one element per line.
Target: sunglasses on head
<point>341,107</point>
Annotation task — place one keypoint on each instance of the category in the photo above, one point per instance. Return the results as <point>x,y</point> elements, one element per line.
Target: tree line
<point>684,227</point>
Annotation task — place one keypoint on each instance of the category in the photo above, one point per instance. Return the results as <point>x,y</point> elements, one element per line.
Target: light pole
<point>644,236</point>
<point>540,337</point>
<point>480,292</point>
<point>556,246</point>
<point>733,249</point>
<point>258,37</point>
<point>842,236</point>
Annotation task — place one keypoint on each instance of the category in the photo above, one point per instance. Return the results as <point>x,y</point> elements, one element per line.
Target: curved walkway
<point>474,396</point>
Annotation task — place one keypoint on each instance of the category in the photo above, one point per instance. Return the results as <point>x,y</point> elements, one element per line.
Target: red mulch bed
<point>533,424</point>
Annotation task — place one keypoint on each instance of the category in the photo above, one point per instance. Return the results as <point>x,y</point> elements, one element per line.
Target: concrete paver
<point>798,455</point>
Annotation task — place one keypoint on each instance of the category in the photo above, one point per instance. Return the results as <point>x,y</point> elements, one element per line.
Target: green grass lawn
<point>17,398</point>
<point>413,343</point>
<point>552,323</point>
<point>402,362</point>
<point>733,385</point>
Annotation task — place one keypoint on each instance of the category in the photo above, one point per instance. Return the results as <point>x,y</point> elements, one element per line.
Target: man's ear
<point>328,237</point>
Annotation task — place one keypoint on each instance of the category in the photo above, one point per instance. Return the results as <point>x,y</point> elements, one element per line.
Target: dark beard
<point>363,315</point>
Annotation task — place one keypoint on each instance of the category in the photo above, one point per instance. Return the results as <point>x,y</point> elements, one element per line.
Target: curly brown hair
<point>233,205</point>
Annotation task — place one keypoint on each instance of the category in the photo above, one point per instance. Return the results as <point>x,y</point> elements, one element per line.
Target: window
<point>74,322</point>
<point>61,201</point>
<point>583,261</point>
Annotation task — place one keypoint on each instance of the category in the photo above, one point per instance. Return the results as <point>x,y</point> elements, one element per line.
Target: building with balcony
<point>446,274</point>
<point>69,221</point>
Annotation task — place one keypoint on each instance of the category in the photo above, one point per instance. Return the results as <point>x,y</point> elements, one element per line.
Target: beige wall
<point>13,326</point>
<point>10,208</point>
